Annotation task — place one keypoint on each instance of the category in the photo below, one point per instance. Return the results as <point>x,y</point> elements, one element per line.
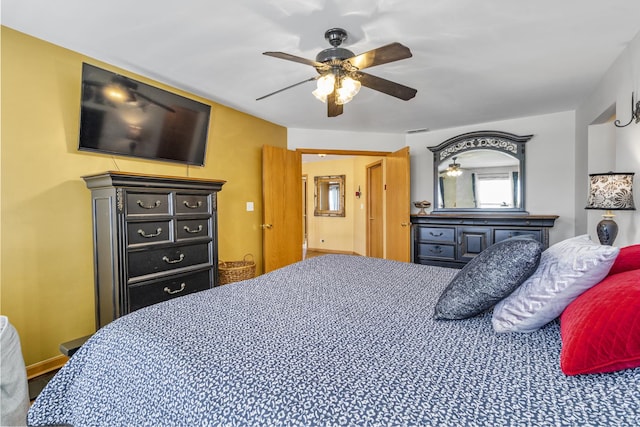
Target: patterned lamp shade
<point>611,191</point>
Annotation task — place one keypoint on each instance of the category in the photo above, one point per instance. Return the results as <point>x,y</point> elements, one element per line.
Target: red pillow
<point>627,259</point>
<point>600,329</point>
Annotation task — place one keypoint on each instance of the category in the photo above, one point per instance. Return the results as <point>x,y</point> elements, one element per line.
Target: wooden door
<point>398,206</point>
<point>282,207</point>
<point>375,211</point>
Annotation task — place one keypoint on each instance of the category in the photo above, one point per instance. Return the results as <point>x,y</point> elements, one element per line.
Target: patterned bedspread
<point>333,340</point>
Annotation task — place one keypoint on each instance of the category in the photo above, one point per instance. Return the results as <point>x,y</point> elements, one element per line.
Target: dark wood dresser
<point>452,240</point>
<point>154,238</point>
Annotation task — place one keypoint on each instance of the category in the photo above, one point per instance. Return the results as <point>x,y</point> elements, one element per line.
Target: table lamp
<point>610,191</point>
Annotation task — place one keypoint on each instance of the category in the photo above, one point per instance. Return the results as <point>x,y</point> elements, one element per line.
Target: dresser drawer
<point>139,233</point>
<point>193,228</point>
<point>148,203</point>
<point>439,234</point>
<point>154,292</point>
<point>142,263</point>
<point>192,204</point>
<point>500,235</point>
<point>430,250</point>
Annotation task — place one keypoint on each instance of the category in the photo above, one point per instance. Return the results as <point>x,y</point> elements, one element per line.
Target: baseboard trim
<point>329,251</point>
<point>46,366</point>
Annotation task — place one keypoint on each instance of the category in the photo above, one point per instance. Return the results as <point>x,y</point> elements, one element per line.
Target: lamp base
<point>607,230</point>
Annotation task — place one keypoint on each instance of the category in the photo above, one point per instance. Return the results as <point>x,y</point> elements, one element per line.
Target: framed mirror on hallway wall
<point>329,195</point>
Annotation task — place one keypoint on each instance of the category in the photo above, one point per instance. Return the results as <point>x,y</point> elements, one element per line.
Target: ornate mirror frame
<point>503,142</point>
<point>322,188</point>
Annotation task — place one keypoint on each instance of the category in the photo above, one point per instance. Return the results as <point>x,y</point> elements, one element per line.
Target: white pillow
<point>566,270</point>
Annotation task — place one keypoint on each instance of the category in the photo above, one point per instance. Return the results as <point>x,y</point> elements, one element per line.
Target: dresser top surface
<point>117,178</point>
<point>487,216</point>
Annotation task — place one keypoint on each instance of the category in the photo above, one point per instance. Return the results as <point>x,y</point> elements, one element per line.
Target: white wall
<point>611,148</point>
<point>549,164</point>
<point>338,140</point>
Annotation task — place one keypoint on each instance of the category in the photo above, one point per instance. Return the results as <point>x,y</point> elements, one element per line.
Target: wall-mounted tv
<point>122,116</point>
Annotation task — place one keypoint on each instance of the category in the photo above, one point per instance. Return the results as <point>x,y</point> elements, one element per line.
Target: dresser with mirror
<point>479,199</point>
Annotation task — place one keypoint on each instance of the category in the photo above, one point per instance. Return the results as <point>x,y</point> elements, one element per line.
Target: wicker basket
<point>234,271</point>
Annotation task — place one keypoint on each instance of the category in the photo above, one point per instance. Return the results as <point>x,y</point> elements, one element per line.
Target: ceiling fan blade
<point>288,87</point>
<point>382,55</point>
<point>386,86</point>
<point>333,109</point>
<point>298,59</point>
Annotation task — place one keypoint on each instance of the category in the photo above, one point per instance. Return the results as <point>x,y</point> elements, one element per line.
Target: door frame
<point>380,164</point>
<point>343,152</point>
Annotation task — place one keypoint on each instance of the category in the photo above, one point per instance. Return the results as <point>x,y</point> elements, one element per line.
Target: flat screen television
<point>122,116</point>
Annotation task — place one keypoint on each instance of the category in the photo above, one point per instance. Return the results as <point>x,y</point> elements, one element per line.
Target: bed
<point>332,340</point>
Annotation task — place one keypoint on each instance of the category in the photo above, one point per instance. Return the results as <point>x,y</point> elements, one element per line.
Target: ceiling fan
<point>339,77</point>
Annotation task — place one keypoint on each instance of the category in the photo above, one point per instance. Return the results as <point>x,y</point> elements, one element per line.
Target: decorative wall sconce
<point>358,193</point>
<point>635,113</point>
<point>610,191</point>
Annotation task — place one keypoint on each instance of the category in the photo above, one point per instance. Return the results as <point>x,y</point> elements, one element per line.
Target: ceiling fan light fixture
<point>343,96</point>
<point>454,169</point>
<point>350,86</point>
<point>319,95</point>
<point>326,84</point>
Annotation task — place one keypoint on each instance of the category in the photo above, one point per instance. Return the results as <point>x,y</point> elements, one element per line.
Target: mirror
<point>329,195</point>
<point>480,172</point>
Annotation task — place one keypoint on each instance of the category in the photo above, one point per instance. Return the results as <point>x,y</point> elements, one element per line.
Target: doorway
<point>283,210</point>
<point>343,230</point>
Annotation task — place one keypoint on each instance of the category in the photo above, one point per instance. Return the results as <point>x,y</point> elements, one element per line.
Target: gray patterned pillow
<point>489,277</point>
<point>566,270</point>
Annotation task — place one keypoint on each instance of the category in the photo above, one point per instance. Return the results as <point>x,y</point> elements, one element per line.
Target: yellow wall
<point>46,262</point>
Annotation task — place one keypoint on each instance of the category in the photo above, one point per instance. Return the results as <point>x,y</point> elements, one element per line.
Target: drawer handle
<point>170,292</point>
<point>188,230</point>
<point>196,206</point>
<point>156,234</point>
<point>436,250</point>
<point>173,261</point>
<point>436,235</point>
<point>143,206</point>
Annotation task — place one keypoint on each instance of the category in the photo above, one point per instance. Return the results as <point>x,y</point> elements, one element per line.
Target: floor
<point>311,253</point>
<point>38,383</point>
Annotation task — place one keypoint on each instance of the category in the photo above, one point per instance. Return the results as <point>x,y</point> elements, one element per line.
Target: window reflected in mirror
<point>329,195</point>
<point>498,190</point>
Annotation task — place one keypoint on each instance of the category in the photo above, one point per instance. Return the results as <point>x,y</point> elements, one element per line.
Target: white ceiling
<point>473,61</point>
